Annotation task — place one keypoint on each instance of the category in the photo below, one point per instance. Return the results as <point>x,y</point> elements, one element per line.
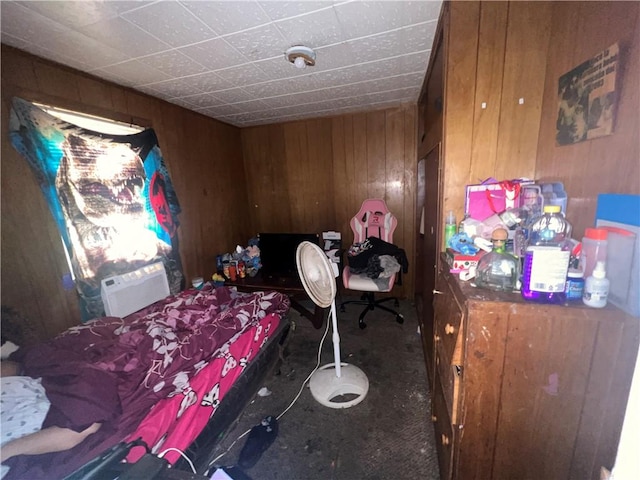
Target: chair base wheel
<point>399,318</point>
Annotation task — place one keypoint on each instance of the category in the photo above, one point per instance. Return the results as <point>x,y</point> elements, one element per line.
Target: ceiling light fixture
<point>301,56</point>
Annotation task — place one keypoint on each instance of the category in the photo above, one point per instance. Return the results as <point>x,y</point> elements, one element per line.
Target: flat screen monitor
<point>278,253</point>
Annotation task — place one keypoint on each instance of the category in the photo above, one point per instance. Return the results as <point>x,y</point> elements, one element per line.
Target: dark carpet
<point>389,435</point>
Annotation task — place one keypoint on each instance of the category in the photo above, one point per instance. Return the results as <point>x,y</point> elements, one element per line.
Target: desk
<point>292,287</point>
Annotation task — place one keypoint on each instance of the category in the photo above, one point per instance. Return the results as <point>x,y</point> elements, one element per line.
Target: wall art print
<point>587,99</point>
<point>110,195</point>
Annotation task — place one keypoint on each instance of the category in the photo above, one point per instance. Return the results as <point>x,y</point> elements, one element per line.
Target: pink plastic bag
<point>491,197</point>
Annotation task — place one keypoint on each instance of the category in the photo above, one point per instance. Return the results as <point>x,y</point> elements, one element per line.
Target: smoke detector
<point>301,56</point>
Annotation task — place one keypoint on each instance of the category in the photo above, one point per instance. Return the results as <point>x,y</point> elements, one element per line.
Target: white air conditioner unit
<point>128,293</point>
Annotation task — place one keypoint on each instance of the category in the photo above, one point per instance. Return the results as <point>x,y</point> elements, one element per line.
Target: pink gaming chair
<point>372,220</point>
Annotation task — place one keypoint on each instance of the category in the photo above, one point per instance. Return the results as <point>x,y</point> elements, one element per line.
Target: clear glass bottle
<point>546,260</point>
<point>498,270</point>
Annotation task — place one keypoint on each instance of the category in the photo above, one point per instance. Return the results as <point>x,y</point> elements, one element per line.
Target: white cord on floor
<point>324,336</point>
<point>184,455</point>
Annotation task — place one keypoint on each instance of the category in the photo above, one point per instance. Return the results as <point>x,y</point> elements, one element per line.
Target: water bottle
<point>450,228</point>
<point>546,260</point>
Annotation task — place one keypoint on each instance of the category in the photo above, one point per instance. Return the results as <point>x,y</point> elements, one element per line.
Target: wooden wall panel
<point>203,156</point>
<point>461,45</point>
<point>488,98</point>
<point>430,103</point>
<point>526,48</point>
<point>332,165</point>
<point>610,164</point>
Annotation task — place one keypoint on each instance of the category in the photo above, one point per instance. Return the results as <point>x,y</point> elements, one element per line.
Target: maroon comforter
<point>113,370</point>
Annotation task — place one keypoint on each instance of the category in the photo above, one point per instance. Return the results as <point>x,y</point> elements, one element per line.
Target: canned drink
<point>219,263</point>
<point>232,273</point>
<point>241,270</point>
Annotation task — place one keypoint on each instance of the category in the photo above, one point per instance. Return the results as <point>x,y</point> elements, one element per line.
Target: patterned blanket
<point>113,370</point>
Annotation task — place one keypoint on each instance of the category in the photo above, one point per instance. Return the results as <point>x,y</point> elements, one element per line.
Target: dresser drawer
<point>448,324</point>
<point>450,376</point>
<point>443,430</point>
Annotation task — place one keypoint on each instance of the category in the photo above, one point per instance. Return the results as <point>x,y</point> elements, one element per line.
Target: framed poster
<point>587,99</point>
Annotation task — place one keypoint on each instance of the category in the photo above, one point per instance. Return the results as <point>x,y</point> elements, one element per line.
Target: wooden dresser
<point>526,391</point>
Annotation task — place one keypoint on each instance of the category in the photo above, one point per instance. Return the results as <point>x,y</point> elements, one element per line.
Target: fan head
<point>316,274</point>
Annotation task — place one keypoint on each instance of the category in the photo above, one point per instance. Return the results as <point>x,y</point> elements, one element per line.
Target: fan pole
<point>336,339</point>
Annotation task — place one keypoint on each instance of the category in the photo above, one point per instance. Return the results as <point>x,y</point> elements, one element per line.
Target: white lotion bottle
<point>596,287</point>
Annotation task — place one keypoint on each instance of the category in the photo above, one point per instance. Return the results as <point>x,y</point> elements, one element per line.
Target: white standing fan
<point>334,380</point>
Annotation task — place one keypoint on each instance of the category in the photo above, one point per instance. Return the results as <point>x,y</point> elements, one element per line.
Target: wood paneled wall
<point>611,164</point>
<point>203,156</point>
<point>498,53</point>
<point>312,175</point>
<point>494,81</point>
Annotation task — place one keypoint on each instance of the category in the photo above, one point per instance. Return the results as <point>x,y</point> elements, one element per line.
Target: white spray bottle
<point>596,287</point>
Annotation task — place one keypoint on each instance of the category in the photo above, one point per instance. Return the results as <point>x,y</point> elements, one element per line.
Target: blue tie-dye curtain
<point>110,195</point>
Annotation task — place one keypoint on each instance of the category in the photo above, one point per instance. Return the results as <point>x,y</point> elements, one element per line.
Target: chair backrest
<point>373,220</point>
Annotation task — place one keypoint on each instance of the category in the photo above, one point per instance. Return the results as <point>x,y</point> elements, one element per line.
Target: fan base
<point>327,388</point>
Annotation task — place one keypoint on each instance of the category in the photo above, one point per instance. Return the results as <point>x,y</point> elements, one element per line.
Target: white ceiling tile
<point>367,18</point>
<point>81,13</point>
<point>206,82</point>
<point>399,94</point>
<point>149,90</point>
<point>25,24</point>
<point>171,23</point>
<point>202,100</point>
<point>137,73</point>
<point>238,119</point>
<point>112,77</point>
<point>413,63</point>
<point>219,111</point>
<point>183,103</point>
<point>173,63</point>
<point>280,10</point>
<point>214,54</point>
<point>16,42</point>
<point>56,56</point>
<point>246,74</point>
<point>353,90</point>
<point>370,54</point>
<point>233,95</point>
<point>392,44</point>
<point>258,43</point>
<point>176,87</point>
<point>124,36</point>
<point>252,106</point>
<point>282,87</point>
<point>85,49</point>
<point>313,30</point>
<point>228,16</point>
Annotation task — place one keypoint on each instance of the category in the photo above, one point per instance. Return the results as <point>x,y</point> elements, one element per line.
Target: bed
<point>160,374</point>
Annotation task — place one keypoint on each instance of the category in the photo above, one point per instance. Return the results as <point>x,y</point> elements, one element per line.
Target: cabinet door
<point>427,254</point>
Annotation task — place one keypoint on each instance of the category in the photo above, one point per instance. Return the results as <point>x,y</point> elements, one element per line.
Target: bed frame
<point>267,362</point>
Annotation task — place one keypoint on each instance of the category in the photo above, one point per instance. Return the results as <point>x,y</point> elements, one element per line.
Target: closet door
<point>430,173</point>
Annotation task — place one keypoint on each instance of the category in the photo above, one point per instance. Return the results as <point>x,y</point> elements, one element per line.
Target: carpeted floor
<point>388,435</point>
